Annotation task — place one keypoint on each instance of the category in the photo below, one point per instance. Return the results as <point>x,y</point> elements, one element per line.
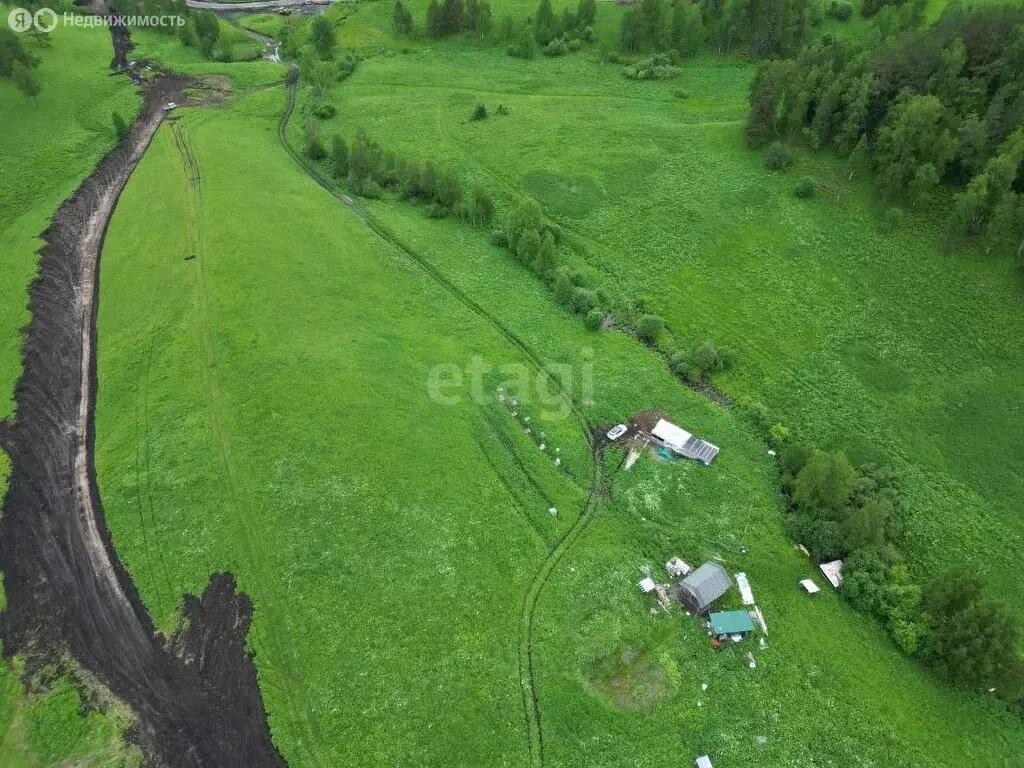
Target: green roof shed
<point>731,623</point>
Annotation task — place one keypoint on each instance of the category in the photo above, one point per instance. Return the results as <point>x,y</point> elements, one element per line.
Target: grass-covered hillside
<point>51,144</point>
<point>856,335</point>
<point>266,406</point>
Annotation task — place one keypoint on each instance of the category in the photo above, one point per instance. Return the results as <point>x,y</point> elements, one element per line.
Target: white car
<point>170,105</point>
<point>617,431</point>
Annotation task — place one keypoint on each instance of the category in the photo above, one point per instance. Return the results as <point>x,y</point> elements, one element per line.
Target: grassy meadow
<point>50,146</point>
<point>875,342</point>
<point>280,396</point>
<point>265,407</point>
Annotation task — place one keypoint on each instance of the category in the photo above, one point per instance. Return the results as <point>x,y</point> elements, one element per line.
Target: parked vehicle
<point>617,431</point>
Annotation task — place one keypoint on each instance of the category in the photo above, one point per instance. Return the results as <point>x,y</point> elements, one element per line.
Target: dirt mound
<point>67,592</point>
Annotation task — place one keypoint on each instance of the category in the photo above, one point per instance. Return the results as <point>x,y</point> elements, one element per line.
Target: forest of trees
<point>448,18</point>
<point>766,27</point>
<point>920,108</point>
<point>17,63</point>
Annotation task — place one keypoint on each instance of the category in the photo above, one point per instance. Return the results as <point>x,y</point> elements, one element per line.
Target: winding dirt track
<point>586,515</point>
<point>196,698</point>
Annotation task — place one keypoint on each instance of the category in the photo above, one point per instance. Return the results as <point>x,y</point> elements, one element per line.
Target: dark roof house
<point>702,587</point>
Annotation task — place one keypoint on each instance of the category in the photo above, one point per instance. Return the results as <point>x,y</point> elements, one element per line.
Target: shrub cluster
<point>778,156</point>
<point>451,17</point>
<point>656,67</point>
<point>676,26</point>
<point>697,364</point>
<point>202,31</point>
<point>554,35</point>
<point>805,188</point>
<point>574,292</point>
<point>839,9</point>
<point>530,240</point>
<point>370,169</point>
<point>649,328</point>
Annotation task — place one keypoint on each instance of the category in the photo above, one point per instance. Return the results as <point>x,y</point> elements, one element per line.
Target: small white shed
<point>833,572</point>
<point>809,587</point>
<point>704,762</point>
<point>647,586</point>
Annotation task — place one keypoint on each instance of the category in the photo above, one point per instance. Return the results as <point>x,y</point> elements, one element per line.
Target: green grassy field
<point>167,50</point>
<point>50,729</point>
<point>49,148</point>
<point>264,408</point>
<point>880,344</point>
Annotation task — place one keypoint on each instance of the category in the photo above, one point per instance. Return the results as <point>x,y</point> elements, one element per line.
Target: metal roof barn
<point>702,587</point>
<point>833,572</point>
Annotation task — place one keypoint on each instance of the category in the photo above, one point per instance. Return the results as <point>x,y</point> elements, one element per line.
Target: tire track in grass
<point>147,471</point>
<point>279,640</point>
<point>140,416</point>
<point>520,505</point>
<point>586,515</point>
<point>527,667</point>
<point>144,497</point>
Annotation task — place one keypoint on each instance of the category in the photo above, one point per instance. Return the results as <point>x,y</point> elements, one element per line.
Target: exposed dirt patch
<point>645,421</point>
<point>631,678</point>
<point>68,595</point>
<point>210,89</point>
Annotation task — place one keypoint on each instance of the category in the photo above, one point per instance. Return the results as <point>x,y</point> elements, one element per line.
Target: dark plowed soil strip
<point>196,700</point>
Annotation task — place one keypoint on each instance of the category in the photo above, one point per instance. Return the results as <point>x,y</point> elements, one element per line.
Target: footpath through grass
<point>264,407</point>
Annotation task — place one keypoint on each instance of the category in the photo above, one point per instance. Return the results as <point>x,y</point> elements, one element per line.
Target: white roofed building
<point>809,587</point>
<point>672,436</point>
<point>678,440</point>
<point>833,572</point>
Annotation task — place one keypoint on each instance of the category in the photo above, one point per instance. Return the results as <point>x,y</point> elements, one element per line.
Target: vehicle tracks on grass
<point>586,515</point>
<point>279,640</point>
<point>144,486</point>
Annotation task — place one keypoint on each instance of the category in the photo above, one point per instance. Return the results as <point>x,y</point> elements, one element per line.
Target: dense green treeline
<point>952,624</point>
<point>766,27</point>
<point>921,108</point>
